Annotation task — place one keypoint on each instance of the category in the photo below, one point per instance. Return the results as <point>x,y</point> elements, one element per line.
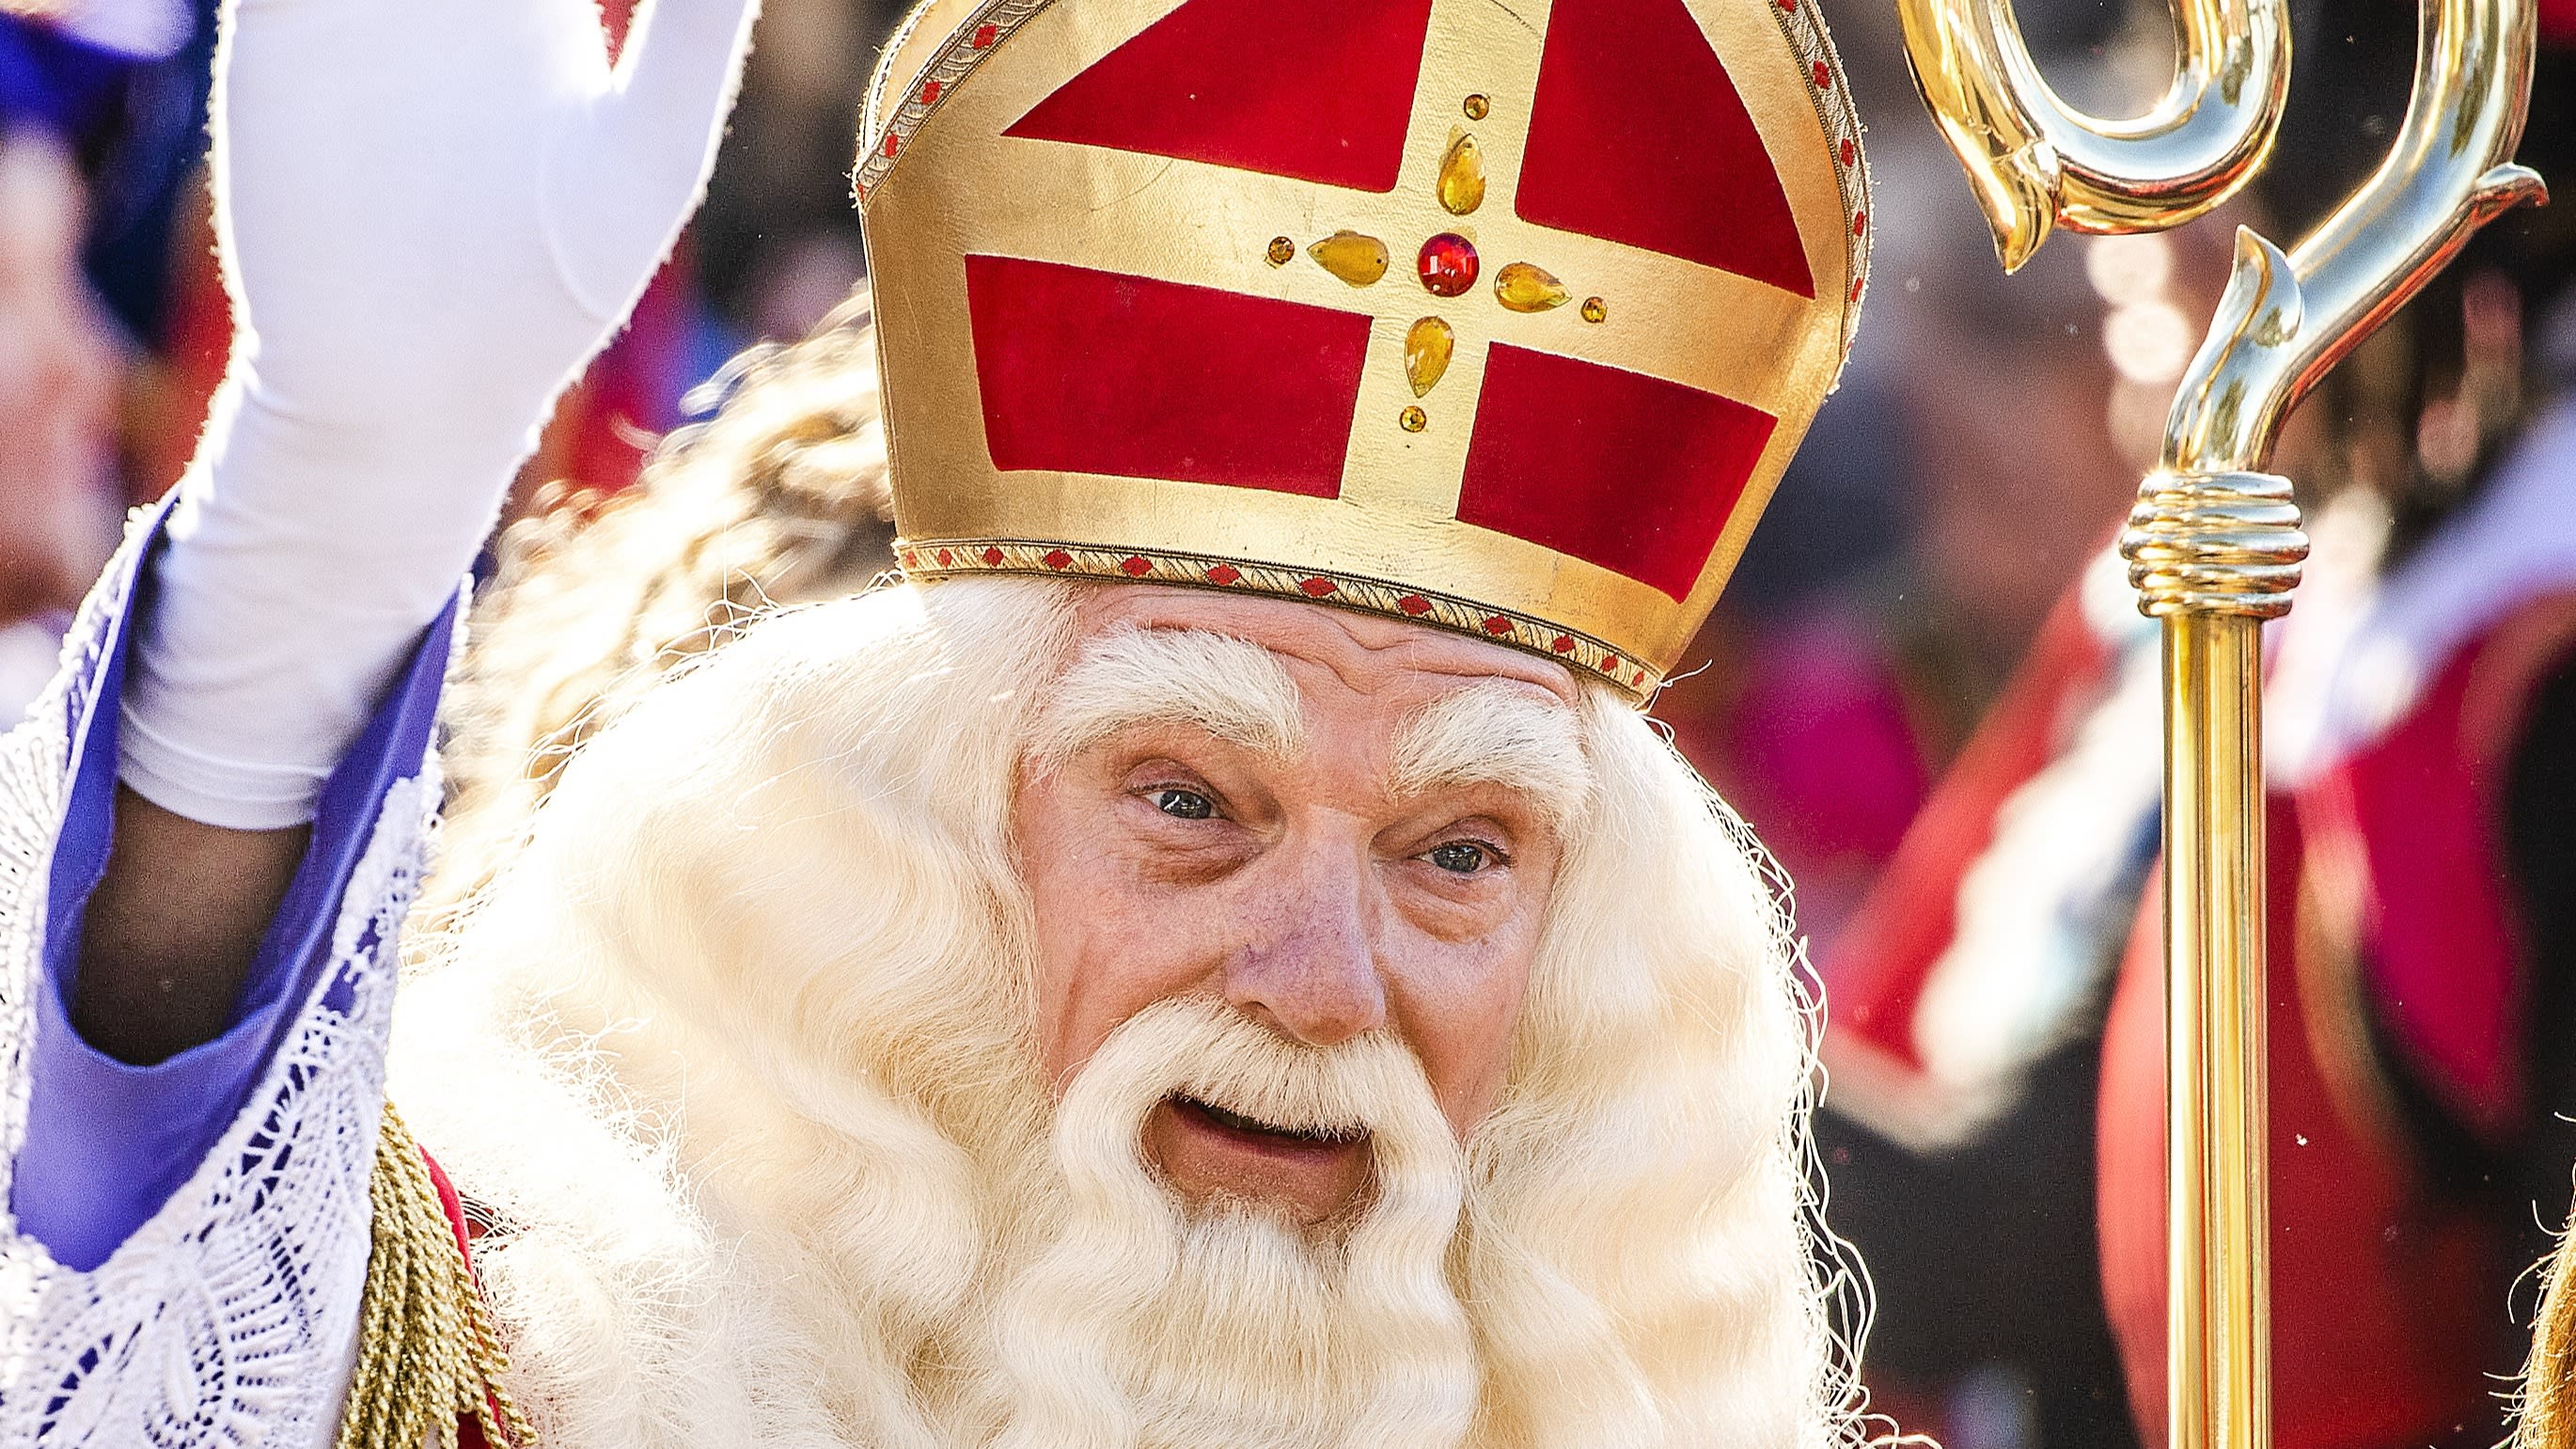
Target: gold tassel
<point>2548,1409</point>
<point>428,1356</point>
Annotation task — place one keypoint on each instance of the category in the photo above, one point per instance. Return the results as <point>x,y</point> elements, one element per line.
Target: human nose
<point>1309,967</point>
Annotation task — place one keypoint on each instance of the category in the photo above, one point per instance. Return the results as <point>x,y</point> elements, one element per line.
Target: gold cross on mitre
<point>1505,319</point>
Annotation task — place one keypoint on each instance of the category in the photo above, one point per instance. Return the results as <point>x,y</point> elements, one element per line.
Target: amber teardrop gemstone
<point>1428,346</point>
<point>1462,177</point>
<point>1356,259</point>
<point>1525,288</point>
<point>1448,264</point>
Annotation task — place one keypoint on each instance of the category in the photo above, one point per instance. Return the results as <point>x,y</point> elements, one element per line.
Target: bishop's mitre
<point>1503,318</point>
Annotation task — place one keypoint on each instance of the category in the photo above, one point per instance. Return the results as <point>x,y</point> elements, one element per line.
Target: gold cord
<point>428,1355</point>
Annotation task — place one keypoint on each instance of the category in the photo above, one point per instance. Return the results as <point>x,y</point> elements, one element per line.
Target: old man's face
<point>1336,825</point>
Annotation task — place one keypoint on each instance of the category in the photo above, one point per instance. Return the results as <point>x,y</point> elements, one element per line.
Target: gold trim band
<point>933,558</point>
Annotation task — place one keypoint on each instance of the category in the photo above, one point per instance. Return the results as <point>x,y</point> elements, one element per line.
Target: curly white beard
<point>738,1047</point>
<point>1126,1316</point>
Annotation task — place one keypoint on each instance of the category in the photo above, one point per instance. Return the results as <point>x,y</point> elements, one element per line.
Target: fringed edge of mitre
<point>2546,1418</point>
<point>429,1356</point>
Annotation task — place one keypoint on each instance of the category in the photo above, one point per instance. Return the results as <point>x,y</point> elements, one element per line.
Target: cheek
<point>1106,946</point>
<point>1462,1003</point>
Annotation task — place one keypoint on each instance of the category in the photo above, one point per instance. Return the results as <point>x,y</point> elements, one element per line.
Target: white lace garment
<point>229,1318</point>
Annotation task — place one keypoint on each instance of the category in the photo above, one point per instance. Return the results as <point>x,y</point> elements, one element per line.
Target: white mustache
<point>1199,1048</point>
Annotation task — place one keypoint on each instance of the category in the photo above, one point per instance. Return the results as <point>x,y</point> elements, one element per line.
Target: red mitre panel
<point>1086,371</point>
<point>1314,92</point>
<point>1630,472</point>
<point>1637,135</point>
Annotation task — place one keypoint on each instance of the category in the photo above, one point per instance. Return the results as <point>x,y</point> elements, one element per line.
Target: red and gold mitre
<point>1504,318</point>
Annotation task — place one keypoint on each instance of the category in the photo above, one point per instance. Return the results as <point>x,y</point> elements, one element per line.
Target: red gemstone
<point>1856,282</point>
<point>1610,665</point>
<point>1564,644</point>
<point>1851,152</point>
<point>1057,558</point>
<point>929,92</point>
<point>946,558</point>
<point>1224,574</point>
<point>1414,604</point>
<point>911,560</point>
<point>1448,264</point>
<point>892,141</point>
<point>1860,222</point>
<point>1317,588</point>
<point>992,557</point>
<point>1640,680</point>
<point>1134,565</point>
<point>1498,625</point>
<point>984,37</point>
<point>1824,77</point>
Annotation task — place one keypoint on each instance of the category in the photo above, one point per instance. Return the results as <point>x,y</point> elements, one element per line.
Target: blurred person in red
<point>2422,758</point>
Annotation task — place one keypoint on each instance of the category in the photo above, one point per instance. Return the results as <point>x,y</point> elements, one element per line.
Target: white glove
<point>431,213</point>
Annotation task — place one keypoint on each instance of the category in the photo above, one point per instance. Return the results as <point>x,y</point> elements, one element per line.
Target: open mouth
<point>1265,1132</point>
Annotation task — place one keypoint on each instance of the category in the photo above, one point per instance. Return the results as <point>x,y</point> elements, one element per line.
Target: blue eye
<point>1183,804</point>
<point>1461,857</point>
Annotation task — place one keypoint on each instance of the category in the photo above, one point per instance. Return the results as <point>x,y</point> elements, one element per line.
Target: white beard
<point>738,1049</point>
<point>1223,1326</point>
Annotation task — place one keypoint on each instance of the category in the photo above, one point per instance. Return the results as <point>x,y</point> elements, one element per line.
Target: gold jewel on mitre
<point>1502,319</point>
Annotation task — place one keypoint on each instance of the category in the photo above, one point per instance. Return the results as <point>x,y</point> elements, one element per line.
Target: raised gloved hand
<point>432,213</point>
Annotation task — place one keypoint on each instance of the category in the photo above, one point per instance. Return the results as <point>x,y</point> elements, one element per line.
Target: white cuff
<point>235,794</point>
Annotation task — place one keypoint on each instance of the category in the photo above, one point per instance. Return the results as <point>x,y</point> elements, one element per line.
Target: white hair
<point>737,1054</point>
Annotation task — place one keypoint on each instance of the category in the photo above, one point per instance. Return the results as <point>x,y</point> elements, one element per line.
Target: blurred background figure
<point>85,127</point>
<point>1996,1147</point>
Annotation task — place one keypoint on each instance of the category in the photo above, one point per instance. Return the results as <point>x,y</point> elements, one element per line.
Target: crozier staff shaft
<point>2214,545</point>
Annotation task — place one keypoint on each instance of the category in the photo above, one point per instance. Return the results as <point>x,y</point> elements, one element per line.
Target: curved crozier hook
<point>2287,319</point>
<point>2036,162</point>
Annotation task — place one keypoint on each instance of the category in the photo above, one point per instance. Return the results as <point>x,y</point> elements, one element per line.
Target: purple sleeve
<point>108,1143</point>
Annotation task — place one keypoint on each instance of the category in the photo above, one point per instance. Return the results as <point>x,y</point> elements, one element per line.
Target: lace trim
<point>230,1318</point>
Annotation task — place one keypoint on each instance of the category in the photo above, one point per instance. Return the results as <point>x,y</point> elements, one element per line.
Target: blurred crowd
<point>1927,690</point>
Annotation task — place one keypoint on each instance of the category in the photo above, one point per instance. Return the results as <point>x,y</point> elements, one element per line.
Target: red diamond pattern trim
<point>1851,151</point>
<point>930,93</point>
<point>984,36</point>
<point>1020,556</point>
<point>1824,77</point>
<point>893,142</point>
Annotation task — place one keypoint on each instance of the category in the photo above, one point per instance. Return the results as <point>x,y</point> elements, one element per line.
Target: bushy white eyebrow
<point>1496,733</point>
<point>1232,688</point>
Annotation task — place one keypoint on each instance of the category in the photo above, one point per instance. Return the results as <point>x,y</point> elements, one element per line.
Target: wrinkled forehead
<point>1325,648</point>
<point>1307,684</point>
